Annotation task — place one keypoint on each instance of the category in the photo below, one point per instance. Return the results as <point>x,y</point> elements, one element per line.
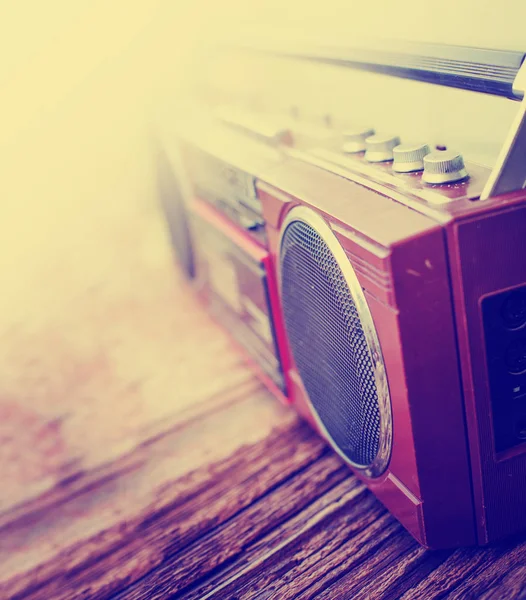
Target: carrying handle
<point>496,72</point>
<point>474,69</point>
<point>509,174</point>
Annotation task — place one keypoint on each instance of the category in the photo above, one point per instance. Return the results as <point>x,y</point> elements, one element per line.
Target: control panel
<point>228,188</point>
<point>439,167</point>
<point>435,175</point>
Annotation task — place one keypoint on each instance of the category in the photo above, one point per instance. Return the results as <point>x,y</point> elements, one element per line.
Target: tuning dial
<point>354,141</point>
<point>409,157</point>
<point>379,148</point>
<point>444,167</point>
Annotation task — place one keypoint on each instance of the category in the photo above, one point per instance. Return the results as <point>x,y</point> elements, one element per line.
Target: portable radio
<point>378,287</point>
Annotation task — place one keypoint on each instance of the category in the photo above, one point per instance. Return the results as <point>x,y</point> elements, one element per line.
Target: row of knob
<point>438,167</point>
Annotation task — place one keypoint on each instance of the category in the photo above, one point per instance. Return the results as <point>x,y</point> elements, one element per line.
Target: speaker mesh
<point>329,344</point>
<point>172,203</point>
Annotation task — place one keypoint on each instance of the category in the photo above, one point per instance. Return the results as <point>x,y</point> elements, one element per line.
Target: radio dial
<point>379,148</point>
<point>444,167</point>
<point>354,141</point>
<point>409,157</point>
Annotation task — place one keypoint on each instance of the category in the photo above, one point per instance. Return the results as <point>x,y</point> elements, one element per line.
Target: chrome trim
<point>312,218</point>
<point>474,69</point>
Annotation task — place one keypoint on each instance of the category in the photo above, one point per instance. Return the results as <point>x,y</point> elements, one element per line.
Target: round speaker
<point>174,208</point>
<point>334,342</point>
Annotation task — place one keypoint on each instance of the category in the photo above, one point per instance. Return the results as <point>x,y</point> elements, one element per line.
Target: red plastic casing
<point>425,258</point>
<point>424,270</point>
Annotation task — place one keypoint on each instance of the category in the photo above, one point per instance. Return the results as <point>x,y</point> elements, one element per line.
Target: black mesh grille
<point>328,343</point>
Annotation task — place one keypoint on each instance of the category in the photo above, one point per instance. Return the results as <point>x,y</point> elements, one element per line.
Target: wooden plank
<point>470,573</point>
<point>182,497</point>
<point>316,550</point>
<point>391,578</point>
<point>108,361</point>
<point>229,541</point>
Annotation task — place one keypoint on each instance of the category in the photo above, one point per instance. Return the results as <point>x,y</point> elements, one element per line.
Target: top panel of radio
<point>228,151</point>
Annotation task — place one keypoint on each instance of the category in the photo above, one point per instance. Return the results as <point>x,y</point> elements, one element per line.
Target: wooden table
<point>141,459</point>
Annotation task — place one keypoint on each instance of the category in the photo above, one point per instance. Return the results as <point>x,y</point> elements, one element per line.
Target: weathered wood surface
<point>151,464</point>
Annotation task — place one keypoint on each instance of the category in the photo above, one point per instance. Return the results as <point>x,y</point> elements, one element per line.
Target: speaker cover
<point>173,205</point>
<point>334,343</point>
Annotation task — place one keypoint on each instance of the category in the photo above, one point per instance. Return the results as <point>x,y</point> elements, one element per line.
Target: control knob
<point>379,148</point>
<point>409,157</point>
<point>354,141</point>
<point>444,167</point>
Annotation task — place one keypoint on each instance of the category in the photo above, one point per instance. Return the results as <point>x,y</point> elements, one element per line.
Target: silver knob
<point>409,157</point>
<point>354,141</point>
<point>379,148</point>
<point>443,167</point>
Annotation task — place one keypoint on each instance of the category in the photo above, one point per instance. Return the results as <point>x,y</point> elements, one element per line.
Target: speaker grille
<point>172,203</point>
<point>329,344</point>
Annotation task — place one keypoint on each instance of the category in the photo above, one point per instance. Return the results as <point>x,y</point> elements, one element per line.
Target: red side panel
<point>488,255</point>
<point>239,287</point>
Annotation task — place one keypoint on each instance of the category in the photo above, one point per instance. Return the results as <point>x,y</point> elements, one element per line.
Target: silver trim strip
<point>474,69</point>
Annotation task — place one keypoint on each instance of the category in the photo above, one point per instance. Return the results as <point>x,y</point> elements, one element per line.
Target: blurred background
<point>81,80</point>
<point>85,267</point>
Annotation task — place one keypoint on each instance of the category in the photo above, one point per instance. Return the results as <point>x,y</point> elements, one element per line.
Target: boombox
<point>380,289</point>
